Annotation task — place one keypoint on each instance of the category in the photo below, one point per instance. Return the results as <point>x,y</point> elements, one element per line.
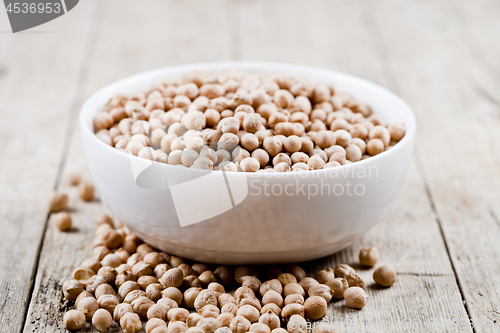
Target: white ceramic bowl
<point>241,218</point>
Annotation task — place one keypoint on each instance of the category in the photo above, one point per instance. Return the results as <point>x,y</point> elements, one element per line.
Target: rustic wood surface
<point>442,57</point>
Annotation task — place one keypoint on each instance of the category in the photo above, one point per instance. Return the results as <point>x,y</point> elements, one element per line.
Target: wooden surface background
<point>442,57</point>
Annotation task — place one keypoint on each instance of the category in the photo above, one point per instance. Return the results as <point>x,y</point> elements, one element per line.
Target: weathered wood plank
<point>39,74</point>
<point>457,139</point>
<point>174,33</point>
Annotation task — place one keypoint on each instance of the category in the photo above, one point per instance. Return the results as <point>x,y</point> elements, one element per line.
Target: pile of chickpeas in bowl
<point>238,121</point>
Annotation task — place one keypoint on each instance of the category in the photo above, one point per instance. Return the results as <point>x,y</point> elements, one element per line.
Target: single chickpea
<point>281,157</point>
<point>283,98</point>
<point>209,310</point>
<point>172,278</point>
<point>244,290</point>
<point>293,288</point>
<point>321,290</point>
<point>229,308</point>
<point>158,310</point>
<point>126,287</point>
<point>103,120</point>
<point>270,319</point>
<point>83,274</point>
<point>385,275</point>
<point>325,275</point>
<point>177,314</point>
<point>325,139</point>
<point>174,294</point>
<point>190,296</point>
<point>81,296</point>
<point>74,320</point>
<point>279,330</point>
<point>240,324</point>
<point>276,118</point>
<point>252,122</point>
<point>292,144</point>
<point>103,219</point>
<point>338,286</point>
<point>296,324</point>
<point>353,152</point>
<point>175,327</point>
<point>228,141</point>
<point>188,157</point>
<point>102,320</point>
<point>342,270</point>
<point>208,325</point>
<point>73,177</point>
<point>262,156</point>
<point>315,307</point>
<point>154,291</point>
<point>307,282</point>
<point>375,147</point>
<point>294,298</point>
<point>338,157</point>
<point>130,323</point>
<point>133,295</point>
<point>249,312</point>
<point>249,164</point>
<point>315,162</point>
<point>292,309</point>
<point>342,138</point>
<point>86,191</point>
<point>153,323</point>
<point>321,93</point>
<point>259,328</point>
<point>307,145</point>
<point>193,319</point>
<point>271,307</point>
<point>242,97</point>
<point>224,298</point>
<point>281,167</point>
<point>71,289</point>
<point>250,141</point>
<point>360,143</point>
<point>273,284</point>
<point>359,131</point>
<point>265,110</point>
<point>368,256</point>
<point>111,260</point>
<point>252,282</point>
<point>250,300</point>
<point>141,306</point>
<point>239,154</point>
<point>397,131</point>
<point>272,296</point>
<point>381,133</point>
<point>62,220</point>
<point>120,310</point>
<point>355,297</point>
<point>205,297</point>
<point>58,202</point>
<point>354,280</point>
<point>174,158</point>
<point>224,320</point>
<point>300,167</point>
<point>88,306</point>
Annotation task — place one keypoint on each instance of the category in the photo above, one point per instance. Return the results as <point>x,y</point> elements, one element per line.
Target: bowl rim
<point>87,110</point>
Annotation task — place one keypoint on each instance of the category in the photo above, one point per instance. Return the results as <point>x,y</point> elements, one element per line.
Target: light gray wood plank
<point>39,74</point>
<point>177,32</point>
<point>456,145</point>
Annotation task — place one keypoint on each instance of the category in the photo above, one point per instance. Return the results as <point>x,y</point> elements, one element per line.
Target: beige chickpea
<point>195,143</point>
<point>174,294</point>
<point>315,162</point>
<point>212,117</point>
<point>133,295</point>
<point>193,319</point>
<point>249,312</point>
<point>81,296</point>
<point>209,153</point>
<point>229,308</point>
<point>242,97</point>
<point>74,320</point>
<point>205,297</point>
<point>177,314</point>
<point>375,147</point>
<point>360,143</point>
<point>160,269</point>
<point>283,98</point>
<point>338,286</point>
<point>141,306</point>
<point>262,156</point>
<point>190,296</point>
<point>369,256</point>
<point>286,129</point>
<point>239,154</point>
<point>359,131</point>
<point>315,307</point>
<point>338,157</point>
<point>159,311</point>
<point>172,278</point>
<point>272,145</point>
<point>292,144</point>
<point>102,120</point>
<point>120,310</point>
<point>102,320</point>
<point>62,220</point>
<point>252,282</point>
<point>240,324</point>
<point>325,139</point>
<point>307,282</point>
<point>307,145</point>
<point>127,287</point>
<point>281,167</point>
<point>340,124</point>
<point>252,122</point>
<point>153,323</point>
<point>130,323</point>
<point>249,141</point>
<point>71,289</point>
<point>282,157</point>
<point>250,164</point>
<point>86,191</point>
<point>297,324</point>
<point>224,298</point>
<point>294,298</point>
<point>273,284</point>
<point>108,301</point>
<point>355,297</point>
<point>293,288</point>
<point>58,202</point>
<point>209,310</point>
<point>299,157</point>
<point>279,330</point>
<point>342,138</point>
<point>83,274</point>
<point>167,141</point>
<point>342,270</point>
<point>203,163</point>
<point>88,306</point>
<point>208,325</point>
<point>188,157</point>
<point>381,133</point>
<point>292,309</point>
<point>259,328</point>
<point>300,167</point>
<point>250,300</point>
<point>397,131</point>
<point>228,141</point>
<point>176,327</point>
<point>272,296</point>
<point>353,152</point>
<point>224,320</point>
<point>321,290</point>
<point>325,275</point>
<point>154,291</point>
<point>265,110</point>
<point>276,118</point>
<point>270,319</point>
<point>271,307</point>
<point>385,275</point>
<point>354,280</point>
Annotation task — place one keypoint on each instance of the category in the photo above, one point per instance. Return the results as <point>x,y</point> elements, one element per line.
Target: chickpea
<point>224,320</point>
<point>272,145</point>
<point>297,324</point>
<point>133,295</point>
<point>71,289</point>
<point>111,260</point>
<point>208,325</point>
<point>58,202</point>
<point>205,297</point>
<point>281,167</point>
<point>271,307</point>
<point>292,309</point>
<point>193,319</point>
<point>397,131</point>
<point>250,142</point>
<point>307,145</point>
<point>353,152</point>
<point>307,282</point>
<point>209,310</point>
<point>359,131</point>
<point>283,98</point>
<point>62,220</point>
<point>74,320</point>
<point>354,280</point>
<point>279,330</point>
<point>385,275</point>
<point>249,312</point>
<point>249,300</point>
<point>240,324</point>
<point>88,306</point>
<point>102,320</point>
<point>130,323</point>
<point>83,274</point>
<point>229,308</point>
<point>177,314</point>
<point>321,290</point>
<point>355,297</point>
<point>381,133</point>
<point>262,156</point>
<point>325,139</point>
<point>190,296</point>
<point>252,122</point>
<point>270,319</point>
<point>126,287</point>
<point>342,270</point>
<point>293,288</point>
<point>224,298</point>
<point>273,284</point>
<point>259,328</point>
<point>315,307</point>
<point>172,278</point>
<point>103,120</point>
<point>316,162</point>
<point>159,311</point>
<point>368,256</point>
<point>153,323</point>
<point>294,298</point>
<point>86,191</point>
<point>242,271</point>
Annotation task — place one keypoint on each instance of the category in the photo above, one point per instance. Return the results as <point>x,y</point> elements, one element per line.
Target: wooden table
<point>442,57</point>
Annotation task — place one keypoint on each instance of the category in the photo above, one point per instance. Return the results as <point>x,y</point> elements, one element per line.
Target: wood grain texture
<point>37,89</point>
<point>455,121</point>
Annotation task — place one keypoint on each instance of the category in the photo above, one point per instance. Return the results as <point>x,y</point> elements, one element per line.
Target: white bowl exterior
<point>261,228</point>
